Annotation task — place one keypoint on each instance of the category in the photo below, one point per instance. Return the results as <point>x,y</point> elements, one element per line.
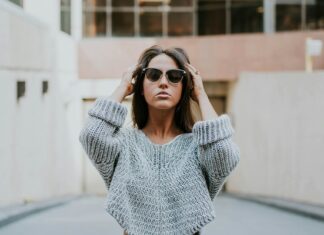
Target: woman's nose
<point>163,79</point>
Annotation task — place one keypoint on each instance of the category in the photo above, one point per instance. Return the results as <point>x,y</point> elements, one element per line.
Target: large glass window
<point>192,17</point>
<point>288,15</point>
<point>66,16</point>
<point>180,23</point>
<point>122,3</point>
<point>315,14</point>
<point>181,2</point>
<point>211,17</point>
<point>95,23</point>
<point>94,3</point>
<point>147,3</point>
<point>151,24</point>
<point>138,18</point>
<point>123,24</point>
<point>246,16</point>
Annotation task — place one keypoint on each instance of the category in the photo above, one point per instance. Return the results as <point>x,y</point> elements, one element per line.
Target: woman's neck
<point>161,123</point>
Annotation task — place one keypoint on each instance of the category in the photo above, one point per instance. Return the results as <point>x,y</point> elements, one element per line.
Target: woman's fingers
<point>192,69</point>
<point>127,75</point>
<point>127,79</point>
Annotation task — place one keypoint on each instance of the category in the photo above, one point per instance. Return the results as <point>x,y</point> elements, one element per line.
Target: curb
<point>12,214</point>
<point>307,210</point>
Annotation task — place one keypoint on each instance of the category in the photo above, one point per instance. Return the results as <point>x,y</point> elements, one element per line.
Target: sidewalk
<point>307,210</point>
<point>14,213</point>
<point>234,216</point>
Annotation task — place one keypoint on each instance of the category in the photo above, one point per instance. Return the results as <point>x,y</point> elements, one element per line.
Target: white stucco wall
<point>279,124</point>
<point>39,153</point>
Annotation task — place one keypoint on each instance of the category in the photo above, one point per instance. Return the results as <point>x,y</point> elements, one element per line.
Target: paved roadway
<point>87,216</point>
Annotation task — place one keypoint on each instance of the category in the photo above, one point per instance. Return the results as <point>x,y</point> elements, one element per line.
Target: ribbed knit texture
<point>159,188</point>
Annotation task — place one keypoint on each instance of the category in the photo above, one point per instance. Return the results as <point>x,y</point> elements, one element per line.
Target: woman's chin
<point>163,106</point>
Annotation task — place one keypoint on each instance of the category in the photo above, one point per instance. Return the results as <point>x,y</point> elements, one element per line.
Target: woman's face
<point>151,89</point>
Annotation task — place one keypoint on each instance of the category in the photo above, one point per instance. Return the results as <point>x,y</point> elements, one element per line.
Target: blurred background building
<point>57,57</point>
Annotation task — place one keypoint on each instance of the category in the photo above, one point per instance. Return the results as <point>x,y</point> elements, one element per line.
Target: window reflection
<point>315,14</point>
<point>95,23</point>
<point>211,17</point>
<point>65,16</point>
<point>180,2</point>
<point>66,21</point>
<point>117,3</point>
<point>95,3</point>
<point>17,2</point>
<point>151,24</point>
<point>123,24</point>
<point>149,3</point>
<point>246,16</point>
<point>65,3</point>
<point>180,17</point>
<point>288,15</point>
<point>180,23</point>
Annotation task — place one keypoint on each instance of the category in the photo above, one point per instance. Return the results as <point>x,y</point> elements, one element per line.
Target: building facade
<point>58,56</point>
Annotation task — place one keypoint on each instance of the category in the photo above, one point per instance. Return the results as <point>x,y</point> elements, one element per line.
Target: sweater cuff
<point>109,110</point>
<point>209,131</point>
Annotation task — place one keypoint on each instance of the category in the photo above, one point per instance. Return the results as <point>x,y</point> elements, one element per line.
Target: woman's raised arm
<point>100,137</point>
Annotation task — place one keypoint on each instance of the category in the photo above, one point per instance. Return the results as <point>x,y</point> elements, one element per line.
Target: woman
<point>163,173</point>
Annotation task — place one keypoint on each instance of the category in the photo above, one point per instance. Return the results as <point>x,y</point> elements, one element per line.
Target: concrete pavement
<point>86,215</point>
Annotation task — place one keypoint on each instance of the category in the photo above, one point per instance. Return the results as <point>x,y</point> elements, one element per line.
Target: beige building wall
<point>41,156</point>
<point>219,58</point>
<point>279,124</point>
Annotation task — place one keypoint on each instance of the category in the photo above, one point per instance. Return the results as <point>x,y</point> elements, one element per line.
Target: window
<point>66,16</point>
<point>21,89</point>
<point>95,23</point>
<point>122,3</point>
<point>94,3</point>
<point>123,24</point>
<point>179,23</point>
<point>181,2</point>
<point>315,14</point>
<point>146,18</point>
<point>151,24</point>
<point>44,87</point>
<point>17,2</point>
<point>288,15</point>
<point>161,18</point>
<point>246,16</point>
<point>229,16</point>
<point>148,3</point>
<point>211,17</point>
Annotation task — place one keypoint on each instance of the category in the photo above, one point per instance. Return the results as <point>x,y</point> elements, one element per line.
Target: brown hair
<point>183,115</point>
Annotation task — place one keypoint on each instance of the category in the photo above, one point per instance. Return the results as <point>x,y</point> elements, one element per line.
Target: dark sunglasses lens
<point>175,76</point>
<point>153,74</point>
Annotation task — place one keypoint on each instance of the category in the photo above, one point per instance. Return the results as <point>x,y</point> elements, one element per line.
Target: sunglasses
<point>173,75</point>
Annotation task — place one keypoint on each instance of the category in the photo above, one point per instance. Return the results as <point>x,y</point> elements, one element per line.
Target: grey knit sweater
<point>159,188</point>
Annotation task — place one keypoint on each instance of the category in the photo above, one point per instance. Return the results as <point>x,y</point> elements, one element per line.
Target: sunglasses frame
<point>184,73</point>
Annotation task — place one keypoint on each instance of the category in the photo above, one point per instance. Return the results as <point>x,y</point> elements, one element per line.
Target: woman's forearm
<point>118,94</point>
<point>207,110</point>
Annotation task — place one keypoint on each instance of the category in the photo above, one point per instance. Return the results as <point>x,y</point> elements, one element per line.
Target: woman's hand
<point>125,87</point>
<point>198,87</point>
<point>199,95</point>
<point>126,81</point>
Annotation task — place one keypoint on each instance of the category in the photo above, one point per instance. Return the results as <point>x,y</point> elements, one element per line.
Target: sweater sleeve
<point>100,135</point>
<point>217,152</point>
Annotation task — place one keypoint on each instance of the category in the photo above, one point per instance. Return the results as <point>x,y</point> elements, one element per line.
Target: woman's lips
<point>163,94</point>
